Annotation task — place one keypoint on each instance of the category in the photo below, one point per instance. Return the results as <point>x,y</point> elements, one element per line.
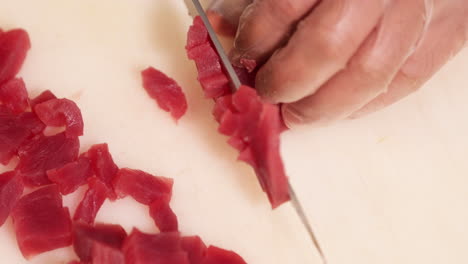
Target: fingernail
<point>291,117</point>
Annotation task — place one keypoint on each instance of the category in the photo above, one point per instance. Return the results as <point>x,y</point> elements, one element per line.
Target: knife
<point>235,84</point>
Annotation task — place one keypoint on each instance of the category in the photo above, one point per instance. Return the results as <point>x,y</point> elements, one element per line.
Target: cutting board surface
<point>390,188</point>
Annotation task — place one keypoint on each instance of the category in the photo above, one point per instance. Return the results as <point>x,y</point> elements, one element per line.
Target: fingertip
<point>264,84</point>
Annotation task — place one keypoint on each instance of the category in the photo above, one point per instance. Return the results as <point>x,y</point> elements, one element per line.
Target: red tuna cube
<point>195,249</point>
<point>14,131</point>
<point>41,223</point>
<point>216,255</point>
<point>163,216</point>
<point>143,187</point>
<point>11,189</point>
<point>43,97</point>
<point>85,235</point>
<point>197,34</point>
<point>105,254</point>
<point>92,201</point>
<point>165,91</point>
<point>12,134</point>
<point>61,112</point>
<point>14,46</point>
<point>14,95</point>
<point>163,248</point>
<point>71,176</point>
<point>42,153</point>
<point>103,165</point>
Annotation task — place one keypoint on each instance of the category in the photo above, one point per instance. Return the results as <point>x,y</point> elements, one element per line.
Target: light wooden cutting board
<point>386,189</point>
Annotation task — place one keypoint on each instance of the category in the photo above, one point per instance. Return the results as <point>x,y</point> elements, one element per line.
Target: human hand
<point>335,59</point>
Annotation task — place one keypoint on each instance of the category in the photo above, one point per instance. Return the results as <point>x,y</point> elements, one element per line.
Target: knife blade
<point>235,84</point>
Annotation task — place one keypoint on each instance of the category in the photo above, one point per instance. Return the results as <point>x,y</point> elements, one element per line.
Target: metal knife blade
<point>235,83</point>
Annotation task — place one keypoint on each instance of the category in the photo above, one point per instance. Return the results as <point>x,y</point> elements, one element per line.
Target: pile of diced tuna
<point>50,166</point>
<point>254,127</point>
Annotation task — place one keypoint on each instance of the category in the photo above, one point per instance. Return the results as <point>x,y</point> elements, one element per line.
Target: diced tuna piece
<point>254,128</point>
<point>41,222</point>
<point>14,46</point>
<point>11,189</point>
<point>14,95</point>
<point>43,97</point>
<point>165,91</point>
<point>195,249</point>
<point>105,254</point>
<point>266,155</point>
<point>103,165</point>
<point>42,153</point>
<point>206,60</point>
<point>197,34</point>
<point>85,235</point>
<point>162,248</point>
<point>92,201</point>
<point>215,85</point>
<point>12,134</point>
<point>216,255</point>
<point>14,131</point>
<point>210,72</point>
<point>30,121</point>
<point>61,112</point>
<point>143,187</point>
<point>163,216</point>
<point>71,176</point>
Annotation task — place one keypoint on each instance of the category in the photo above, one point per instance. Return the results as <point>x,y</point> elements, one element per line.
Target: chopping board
<point>389,188</point>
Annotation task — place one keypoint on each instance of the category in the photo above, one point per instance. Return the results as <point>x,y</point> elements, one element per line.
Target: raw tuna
<point>163,216</point>
<point>61,112</point>
<point>254,128</point>
<point>41,222</point>
<point>43,97</point>
<point>197,34</point>
<point>92,201</point>
<point>210,72</point>
<point>30,121</point>
<point>71,176</point>
<point>14,131</point>
<point>11,189</point>
<point>195,249</point>
<point>103,165</point>
<point>85,235</point>
<point>14,46</point>
<point>216,255</point>
<point>42,153</point>
<point>165,91</point>
<point>14,95</point>
<point>143,187</point>
<point>163,248</point>
<point>105,254</point>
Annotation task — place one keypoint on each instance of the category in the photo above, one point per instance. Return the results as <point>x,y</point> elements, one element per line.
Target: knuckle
<point>375,69</point>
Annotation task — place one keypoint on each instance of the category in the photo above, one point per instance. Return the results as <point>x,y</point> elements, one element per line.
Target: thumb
<point>224,15</point>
